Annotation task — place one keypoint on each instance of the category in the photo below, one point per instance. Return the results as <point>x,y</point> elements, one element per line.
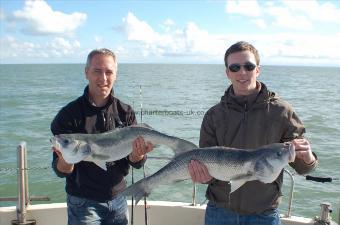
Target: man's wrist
<point>312,161</point>
<point>63,166</point>
<point>133,158</point>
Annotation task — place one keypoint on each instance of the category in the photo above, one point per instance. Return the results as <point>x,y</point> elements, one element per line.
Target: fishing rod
<point>132,174</point>
<point>132,181</point>
<point>144,175</point>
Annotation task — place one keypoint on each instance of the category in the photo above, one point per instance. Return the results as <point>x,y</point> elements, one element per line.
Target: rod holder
<point>325,212</point>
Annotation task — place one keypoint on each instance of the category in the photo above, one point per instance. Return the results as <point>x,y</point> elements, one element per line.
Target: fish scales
<point>213,158</point>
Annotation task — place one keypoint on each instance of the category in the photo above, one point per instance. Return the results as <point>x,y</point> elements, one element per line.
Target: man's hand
<point>303,150</point>
<point>139,149</point>
<point>62,165</point>
<point>199,172</point>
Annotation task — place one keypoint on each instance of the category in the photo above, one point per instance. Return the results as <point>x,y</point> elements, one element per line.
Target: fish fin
<point>156,146</point>
<point>101,164</point>
<point>142,125</point>
<point>177,181</point>
<point>137,190</point>
<point>236,184</point>
<point>100,157</point>
<point>238,181</point>
<point>183,146</point>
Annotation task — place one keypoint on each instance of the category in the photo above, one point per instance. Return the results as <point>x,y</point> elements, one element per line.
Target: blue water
<point>31,95</point>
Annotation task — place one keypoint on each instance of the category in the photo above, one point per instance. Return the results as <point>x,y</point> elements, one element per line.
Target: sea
<point>171,98</point>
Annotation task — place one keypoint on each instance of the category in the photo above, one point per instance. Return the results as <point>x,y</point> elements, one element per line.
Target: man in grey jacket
<point>248,116</point>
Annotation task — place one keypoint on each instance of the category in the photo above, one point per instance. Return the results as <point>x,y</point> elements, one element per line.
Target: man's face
<point>101,75</point>
<point>244,81</point>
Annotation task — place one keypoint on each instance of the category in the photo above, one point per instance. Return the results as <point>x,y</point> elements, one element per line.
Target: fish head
<point>272,159</point>
<point>72,149</point>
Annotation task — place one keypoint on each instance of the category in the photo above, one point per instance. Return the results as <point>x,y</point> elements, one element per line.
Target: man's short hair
<point>101,51</point>
<point>240,47</point>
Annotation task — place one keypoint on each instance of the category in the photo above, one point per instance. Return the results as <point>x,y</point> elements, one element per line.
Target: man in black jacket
<point>91,191</point>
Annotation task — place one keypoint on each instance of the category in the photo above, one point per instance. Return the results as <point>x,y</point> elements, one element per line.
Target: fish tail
<point>137,190</point>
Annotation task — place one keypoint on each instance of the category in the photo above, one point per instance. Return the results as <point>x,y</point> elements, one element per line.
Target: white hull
<point>159,212</point>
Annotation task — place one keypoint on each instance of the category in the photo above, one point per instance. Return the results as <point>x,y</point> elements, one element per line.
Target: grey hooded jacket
<point>249,122</point>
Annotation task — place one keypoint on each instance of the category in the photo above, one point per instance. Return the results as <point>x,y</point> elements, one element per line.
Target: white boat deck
<point>159,213</point>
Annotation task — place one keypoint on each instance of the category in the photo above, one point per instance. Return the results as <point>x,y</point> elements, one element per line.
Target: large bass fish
<point>227,164</point>
<point>113,145</point>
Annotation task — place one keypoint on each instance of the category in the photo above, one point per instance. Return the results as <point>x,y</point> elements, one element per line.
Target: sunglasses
<point>248,66</point>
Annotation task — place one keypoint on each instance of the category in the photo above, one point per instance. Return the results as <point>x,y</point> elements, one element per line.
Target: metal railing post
<point>27,196</point>
<point>290,201</point>
<point>193,194</point>
<point>21,205</point>
<point>23,196</point>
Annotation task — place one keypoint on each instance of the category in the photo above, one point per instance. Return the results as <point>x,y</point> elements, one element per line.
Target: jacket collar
<point>89,103</point>
<point>258,99</point>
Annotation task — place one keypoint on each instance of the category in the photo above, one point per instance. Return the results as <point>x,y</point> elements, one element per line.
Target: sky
<point>285,32</point>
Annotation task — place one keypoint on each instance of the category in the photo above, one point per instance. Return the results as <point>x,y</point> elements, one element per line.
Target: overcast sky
<point>299,32</point>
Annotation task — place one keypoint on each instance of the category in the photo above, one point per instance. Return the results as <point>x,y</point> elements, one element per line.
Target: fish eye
<point>66,141</point>
<point>279,153</point>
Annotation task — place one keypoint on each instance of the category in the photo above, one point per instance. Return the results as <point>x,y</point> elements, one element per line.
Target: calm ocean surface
<point>31,95</point>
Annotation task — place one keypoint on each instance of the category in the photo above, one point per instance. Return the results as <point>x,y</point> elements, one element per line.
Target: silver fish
<point>113,145</point>
<point>228,164</point>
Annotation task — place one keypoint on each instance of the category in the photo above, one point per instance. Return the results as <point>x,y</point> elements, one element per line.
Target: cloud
<point>98,39</point>
<point>290,14</point>
<point>170,42</point>
<point>247,8</point>
<point>62,47</point>
<point>138,30</point>
<point>169,22</point>
<point>2,15</point>
<point>189,41</point>
<point>167,25</point>
<point>38,18</point>
<point>260,23</point>
<point>314,10</point>
<point>298,49</point>
<point>12,48</point>
<point>201,46</point>
<point>284,17</point>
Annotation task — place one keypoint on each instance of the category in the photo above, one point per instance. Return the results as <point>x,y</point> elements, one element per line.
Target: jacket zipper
<point>245,122</point>
<point>245,112</point>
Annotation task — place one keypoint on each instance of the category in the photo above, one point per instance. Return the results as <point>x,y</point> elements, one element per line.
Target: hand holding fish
<point>62,165</point>
<point>199,172</point>
<point>139,149</point>
<point>303,150</point>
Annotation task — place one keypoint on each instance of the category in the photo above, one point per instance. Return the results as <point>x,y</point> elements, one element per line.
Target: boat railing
<point>291,191</point>
<point>23,199</point>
